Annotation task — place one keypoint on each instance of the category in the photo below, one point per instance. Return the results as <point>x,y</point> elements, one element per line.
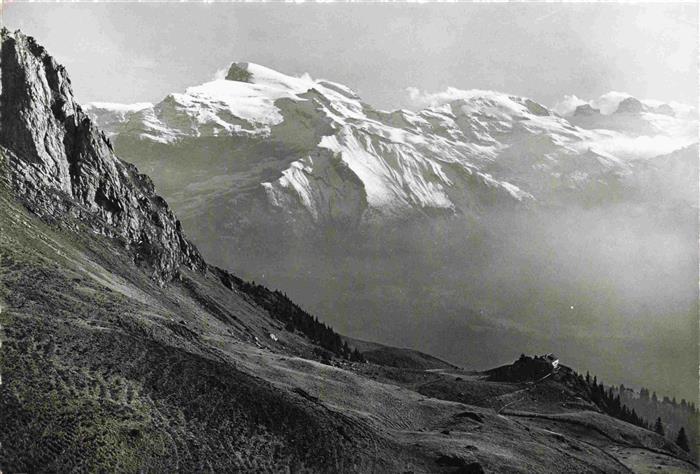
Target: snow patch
<point>627,147</point>
<point>119,108</point>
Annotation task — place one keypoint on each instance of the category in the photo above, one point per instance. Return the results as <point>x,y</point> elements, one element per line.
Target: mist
<point>611,289</point>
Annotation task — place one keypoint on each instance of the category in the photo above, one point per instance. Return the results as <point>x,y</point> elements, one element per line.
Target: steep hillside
<point>103,369</point>
<point>669,180</point>
<point>113,325</point>
<point>513,212</point>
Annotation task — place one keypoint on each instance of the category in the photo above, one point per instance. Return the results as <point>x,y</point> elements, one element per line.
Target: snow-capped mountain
<point>262,143</point>
<point>475,206</point>
<point>324,151</point>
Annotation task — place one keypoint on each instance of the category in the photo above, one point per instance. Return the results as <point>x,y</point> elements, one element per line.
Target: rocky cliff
<point>52,147</point>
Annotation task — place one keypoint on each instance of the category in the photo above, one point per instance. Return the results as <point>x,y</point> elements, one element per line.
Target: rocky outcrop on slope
<point>630,105</point>
<point>53,147</point>
<point>586,110</point>
<point>238,72</point>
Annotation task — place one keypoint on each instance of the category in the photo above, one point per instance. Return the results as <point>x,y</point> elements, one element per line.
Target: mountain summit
<point>239,72</point>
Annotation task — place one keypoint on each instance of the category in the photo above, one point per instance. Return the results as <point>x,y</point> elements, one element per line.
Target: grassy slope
<point>104,371</point>
<point>396,357</point>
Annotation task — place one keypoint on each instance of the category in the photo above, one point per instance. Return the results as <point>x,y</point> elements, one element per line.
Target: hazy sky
<point>132,52</point>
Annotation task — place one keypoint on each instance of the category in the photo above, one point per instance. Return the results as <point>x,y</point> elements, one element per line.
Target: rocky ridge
<point>53,148</point>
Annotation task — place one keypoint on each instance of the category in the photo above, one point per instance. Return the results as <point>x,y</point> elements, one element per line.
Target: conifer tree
<point>682,440</point>
<point>659,427</point>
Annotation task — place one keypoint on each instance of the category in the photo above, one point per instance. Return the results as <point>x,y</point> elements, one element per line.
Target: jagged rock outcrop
<point>665,109</point>
<point>52,147</point>
<point>630,106</point>
<point>238,72</point>
<point>586,110</point>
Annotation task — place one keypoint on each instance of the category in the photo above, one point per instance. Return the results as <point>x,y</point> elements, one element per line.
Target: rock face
<point>630,106</point>
<point>238,72</point>
<point>53,147</point>
<point>586,110</point>
<point>665,109</point>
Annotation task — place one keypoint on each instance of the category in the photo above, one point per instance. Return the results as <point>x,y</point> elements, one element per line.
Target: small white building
<point>552,359</point>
